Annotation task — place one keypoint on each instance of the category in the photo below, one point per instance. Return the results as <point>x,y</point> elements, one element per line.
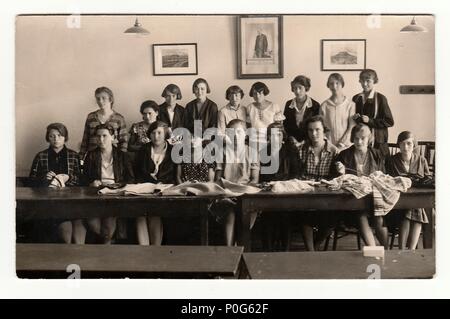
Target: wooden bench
<point>133,261</point>
<point>397,264</point>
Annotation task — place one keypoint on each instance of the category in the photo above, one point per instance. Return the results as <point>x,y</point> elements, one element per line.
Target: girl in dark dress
<point>154,165</point>
<point>406,163</point>
<point>106,165</point>
<point>362,160</point>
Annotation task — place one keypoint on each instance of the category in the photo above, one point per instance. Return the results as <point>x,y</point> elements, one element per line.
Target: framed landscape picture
<point>343,55</point>
<point>259,46</point>
<point>175,59</point>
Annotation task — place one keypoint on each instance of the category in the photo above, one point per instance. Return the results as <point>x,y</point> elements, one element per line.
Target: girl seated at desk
<point>154,165</point>
<point>274,158</point>
<point>103,166</point>
<point>196,169</point>
<point>362,160</point>
<point>58,166</point>
<point>407,163</point>
<point>315,156</point>
<point>237,167</point>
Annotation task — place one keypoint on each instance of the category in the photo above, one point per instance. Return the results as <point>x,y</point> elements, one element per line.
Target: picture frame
<point>343,54</point>
<point>175,59</point>
<point>259,46</point>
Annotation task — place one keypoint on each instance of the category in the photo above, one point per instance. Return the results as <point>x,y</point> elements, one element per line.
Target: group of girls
<point>316,141</point>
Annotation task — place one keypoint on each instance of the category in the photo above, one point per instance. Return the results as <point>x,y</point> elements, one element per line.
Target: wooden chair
<point>393,148</point>
<point>341,232</point>
<point>428,150</point>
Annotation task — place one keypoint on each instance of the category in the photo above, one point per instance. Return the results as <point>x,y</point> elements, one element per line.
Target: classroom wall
<point>58,68</point>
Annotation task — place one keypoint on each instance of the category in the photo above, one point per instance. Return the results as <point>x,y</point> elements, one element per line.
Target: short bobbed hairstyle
<point>276,125</point>
<point>301,80</point>
<point>232,90</point>
<point>105,126</point>
<point>259,87</point>
<point>149,103</point>
<point>104,89</point>
<point>155,125</point>
<point>236,122</point>
<point>61,128</point>
<point>368,73</point>
<point>359,128</point>
<point>174,89</point>
<point>313,119</point>
<point>336,77</point>
<point>404,136</point>
<point>197,82</point>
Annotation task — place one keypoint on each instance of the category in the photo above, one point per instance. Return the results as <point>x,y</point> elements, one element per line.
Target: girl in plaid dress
<point>105,115</point>
<point>315,156</point>
<point>58,166</point>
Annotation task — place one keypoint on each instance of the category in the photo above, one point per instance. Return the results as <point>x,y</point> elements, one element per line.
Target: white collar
<point>231,107</point>
<point>330,102</point>
<point>307,104</point>
<point>371,94</point>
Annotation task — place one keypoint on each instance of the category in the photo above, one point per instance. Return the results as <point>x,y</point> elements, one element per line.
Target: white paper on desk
<point>135,189</point>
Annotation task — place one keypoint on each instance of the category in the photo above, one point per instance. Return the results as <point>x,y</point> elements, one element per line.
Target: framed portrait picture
<point>175,59</point>
<point>259,46</point>
<point>343,55</point>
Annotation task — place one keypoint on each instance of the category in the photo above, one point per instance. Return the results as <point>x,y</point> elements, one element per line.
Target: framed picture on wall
<point>175,59</point>
<point>259,46</point>
<point>343,55</point>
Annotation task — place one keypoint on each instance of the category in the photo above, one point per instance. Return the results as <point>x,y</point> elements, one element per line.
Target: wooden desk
<point>339,265</point>
<point>324,199</point>
<point>84,202</point>
<point>116,261</point>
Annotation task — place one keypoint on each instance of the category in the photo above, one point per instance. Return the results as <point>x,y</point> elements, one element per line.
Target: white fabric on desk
<point>385,189</point>
<point>292,186</point>
<point>224,188</point>
<point>135,189</point>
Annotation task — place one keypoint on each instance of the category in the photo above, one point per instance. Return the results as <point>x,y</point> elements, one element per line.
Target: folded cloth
<point>385,188</point>
<point>292,186</point>
<point>224,188</point>
<point>386,191</point>
<point>239,188</point>
<point>135,189</point>
<point>59,181</point>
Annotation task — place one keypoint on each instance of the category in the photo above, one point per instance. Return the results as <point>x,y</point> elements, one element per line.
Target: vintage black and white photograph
<point>293,167</point>
<point>260,46</point>
<point>343,55</point>
<point>175,59</point>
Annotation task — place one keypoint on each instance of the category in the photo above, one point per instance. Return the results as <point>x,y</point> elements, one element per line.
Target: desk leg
<point>204,240</point>
<point>428,230</point>
<point>243,226</point>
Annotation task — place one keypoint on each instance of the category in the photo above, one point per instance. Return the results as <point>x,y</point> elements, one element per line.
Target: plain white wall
<point>58,68</point>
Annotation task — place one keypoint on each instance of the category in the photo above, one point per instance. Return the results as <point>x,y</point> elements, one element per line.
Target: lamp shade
<point>137,28</point>
<point>413,27</point>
